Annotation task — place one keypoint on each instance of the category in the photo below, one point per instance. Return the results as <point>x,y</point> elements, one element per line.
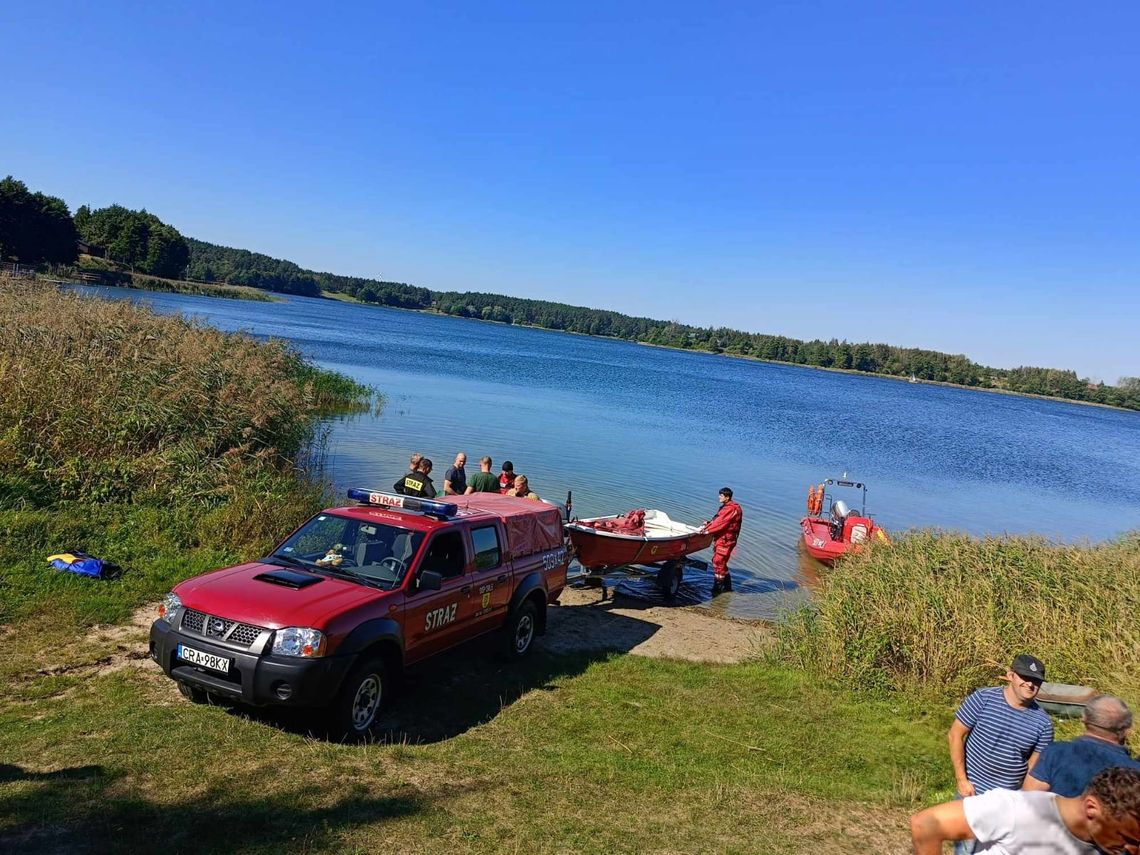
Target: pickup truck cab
<point>335,612</point>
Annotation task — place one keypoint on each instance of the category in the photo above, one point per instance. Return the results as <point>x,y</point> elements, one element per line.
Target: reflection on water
<point>807,568</point>
<point>625,426</point>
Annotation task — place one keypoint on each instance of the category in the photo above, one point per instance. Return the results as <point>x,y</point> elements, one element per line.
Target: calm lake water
<point>624,426</point>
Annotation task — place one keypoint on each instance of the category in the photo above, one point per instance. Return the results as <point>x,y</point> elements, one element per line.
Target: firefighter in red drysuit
<point>726,524</point>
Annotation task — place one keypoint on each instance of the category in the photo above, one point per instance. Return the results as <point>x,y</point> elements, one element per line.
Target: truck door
<point>434,620</point>
<point>491,579</point>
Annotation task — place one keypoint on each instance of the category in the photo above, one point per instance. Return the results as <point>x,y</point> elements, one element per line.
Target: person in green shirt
<point>483,481</point>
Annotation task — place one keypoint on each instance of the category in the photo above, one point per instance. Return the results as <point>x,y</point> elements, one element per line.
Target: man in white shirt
<point>1105,818</point>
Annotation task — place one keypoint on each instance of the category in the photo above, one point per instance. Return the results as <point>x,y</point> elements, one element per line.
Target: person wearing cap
<point>999,732</point>
<point>507,477</point>
<point>1104,818</point>
<point>726,526</point>
<point>1066,768</point>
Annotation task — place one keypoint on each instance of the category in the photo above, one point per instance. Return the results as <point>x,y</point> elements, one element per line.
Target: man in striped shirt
<point>998,733</point>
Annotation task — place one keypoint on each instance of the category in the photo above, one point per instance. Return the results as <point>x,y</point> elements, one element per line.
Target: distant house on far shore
<point>89,249</point>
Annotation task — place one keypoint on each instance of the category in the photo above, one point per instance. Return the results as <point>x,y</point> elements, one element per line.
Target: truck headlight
<point>299,641</point>
<point>169,607</point>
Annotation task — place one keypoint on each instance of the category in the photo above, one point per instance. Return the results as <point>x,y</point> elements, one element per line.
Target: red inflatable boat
<point>831,535</point>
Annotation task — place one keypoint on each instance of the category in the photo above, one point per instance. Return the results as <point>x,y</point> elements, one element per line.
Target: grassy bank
<point>118,275</point>
<point>160,444</point>
<point>943,613</point>
<point>199,289</point>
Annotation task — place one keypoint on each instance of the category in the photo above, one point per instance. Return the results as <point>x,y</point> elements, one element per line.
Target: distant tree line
<point>212,263</point>
<point>872,358</point>
<point>35,228</point>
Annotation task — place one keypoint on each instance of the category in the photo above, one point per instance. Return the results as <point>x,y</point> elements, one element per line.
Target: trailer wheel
<point>520,630</point>
<point>669,578</point>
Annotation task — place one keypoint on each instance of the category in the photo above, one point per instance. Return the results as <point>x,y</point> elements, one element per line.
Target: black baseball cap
<point>1029,667</point>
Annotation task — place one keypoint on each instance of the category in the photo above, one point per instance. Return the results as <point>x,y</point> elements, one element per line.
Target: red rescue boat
<point>838,531</point>
<point>639,537</point>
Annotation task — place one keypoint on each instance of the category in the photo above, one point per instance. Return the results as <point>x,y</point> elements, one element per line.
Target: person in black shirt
<point>455,481</point>
<point>417,483</point>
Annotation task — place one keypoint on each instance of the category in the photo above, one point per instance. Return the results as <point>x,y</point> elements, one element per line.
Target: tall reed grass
<point>944,613</point>
<point>162,445</point>
<point>103,400</point>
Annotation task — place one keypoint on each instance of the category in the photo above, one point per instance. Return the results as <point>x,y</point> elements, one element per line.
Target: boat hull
<point>596,549</point>
<point>824,548</point>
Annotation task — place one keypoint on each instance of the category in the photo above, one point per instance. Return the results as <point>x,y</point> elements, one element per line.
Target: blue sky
<point>962,177</point>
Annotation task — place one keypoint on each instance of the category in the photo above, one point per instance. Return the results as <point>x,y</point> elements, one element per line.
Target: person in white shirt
<point>1105,818</point>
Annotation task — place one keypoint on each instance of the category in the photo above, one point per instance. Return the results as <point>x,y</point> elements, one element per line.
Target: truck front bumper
<point>256,679</point>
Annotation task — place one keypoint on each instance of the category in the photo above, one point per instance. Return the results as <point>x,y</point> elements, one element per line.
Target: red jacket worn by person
<point>726,526</point>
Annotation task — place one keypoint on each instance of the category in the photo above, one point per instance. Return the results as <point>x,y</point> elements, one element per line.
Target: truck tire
<point>353,714</point>
<point>521,628</point>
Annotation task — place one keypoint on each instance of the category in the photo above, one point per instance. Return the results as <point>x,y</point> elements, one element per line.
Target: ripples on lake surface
<point>625,425</point>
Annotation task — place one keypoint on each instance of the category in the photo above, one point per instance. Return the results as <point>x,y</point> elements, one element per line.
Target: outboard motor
<point>839,513</point>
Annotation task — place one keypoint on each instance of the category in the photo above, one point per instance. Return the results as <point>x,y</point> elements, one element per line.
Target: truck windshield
<point>373,551</point>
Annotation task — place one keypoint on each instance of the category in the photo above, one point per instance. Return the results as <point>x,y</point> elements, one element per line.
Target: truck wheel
<point>669,578</point>
<point>352,715</point>
<point>521,629</point>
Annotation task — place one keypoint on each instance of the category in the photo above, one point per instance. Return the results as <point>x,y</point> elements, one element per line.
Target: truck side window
<point>487,550</point>
<point>446,555</point>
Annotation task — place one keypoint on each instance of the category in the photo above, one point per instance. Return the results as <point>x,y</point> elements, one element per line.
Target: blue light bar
<point>407,503</point>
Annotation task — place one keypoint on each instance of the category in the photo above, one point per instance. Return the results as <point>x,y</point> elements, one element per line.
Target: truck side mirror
<point>429,580</point>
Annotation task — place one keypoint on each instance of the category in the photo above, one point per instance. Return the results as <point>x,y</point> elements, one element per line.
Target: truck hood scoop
<point>288,579</point>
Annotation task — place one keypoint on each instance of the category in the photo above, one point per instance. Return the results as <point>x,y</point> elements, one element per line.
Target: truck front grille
<point>212,626</point>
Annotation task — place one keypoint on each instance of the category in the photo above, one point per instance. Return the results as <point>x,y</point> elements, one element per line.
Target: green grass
<point>155,546</point>
<point>581,754</point>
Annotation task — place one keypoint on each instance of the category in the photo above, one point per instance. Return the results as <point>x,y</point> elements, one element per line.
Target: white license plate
<point>206,660</point>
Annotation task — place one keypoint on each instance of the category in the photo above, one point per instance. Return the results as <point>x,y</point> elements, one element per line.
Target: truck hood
<point>237,594</point>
